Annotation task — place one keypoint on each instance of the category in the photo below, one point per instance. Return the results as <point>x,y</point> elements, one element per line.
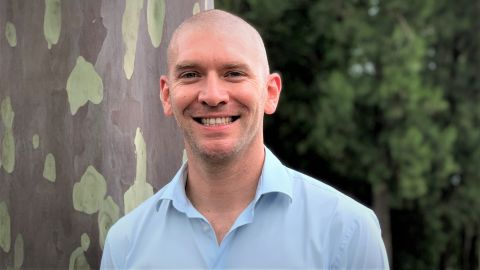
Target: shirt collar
<point>175,190</point>
<point>274,179</point>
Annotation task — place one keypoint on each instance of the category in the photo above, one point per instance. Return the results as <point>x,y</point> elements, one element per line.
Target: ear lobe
<point>274,87</point>
<point>165,95</point>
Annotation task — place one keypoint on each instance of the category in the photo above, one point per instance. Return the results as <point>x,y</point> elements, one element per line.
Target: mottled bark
<point>82,122</point>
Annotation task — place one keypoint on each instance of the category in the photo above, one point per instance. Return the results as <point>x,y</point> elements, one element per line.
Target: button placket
<point>207,245</point>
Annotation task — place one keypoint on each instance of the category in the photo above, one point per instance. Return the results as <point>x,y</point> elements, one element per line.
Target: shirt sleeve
<point>107,260</point>
<point>362,246</point>
<point>113,256</point>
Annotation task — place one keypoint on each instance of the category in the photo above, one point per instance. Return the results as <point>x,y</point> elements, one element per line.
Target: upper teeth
<point>216,121</point>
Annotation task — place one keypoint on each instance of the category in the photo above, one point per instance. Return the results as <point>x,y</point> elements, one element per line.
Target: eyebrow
<point>193,65</point>
<point>236,66</point>
<point>185,65</point>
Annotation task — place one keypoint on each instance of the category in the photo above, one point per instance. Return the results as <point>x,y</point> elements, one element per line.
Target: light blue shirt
<point>294,222</point>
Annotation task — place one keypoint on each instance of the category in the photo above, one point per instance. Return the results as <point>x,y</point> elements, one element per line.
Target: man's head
<point>218,85</point>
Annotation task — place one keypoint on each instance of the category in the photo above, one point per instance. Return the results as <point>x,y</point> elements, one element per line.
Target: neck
<point>221,190</point>
<point>224,186</point>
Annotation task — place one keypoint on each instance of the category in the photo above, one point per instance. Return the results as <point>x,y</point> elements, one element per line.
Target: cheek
<point>181,100</point>
<point>250,95</point>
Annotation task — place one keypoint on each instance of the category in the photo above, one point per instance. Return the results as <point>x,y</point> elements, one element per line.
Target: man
<point>233,204</point>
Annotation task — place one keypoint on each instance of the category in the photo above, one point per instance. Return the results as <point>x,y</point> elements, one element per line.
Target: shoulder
<point>123,232</point>
<point>354,234</point>
<point>312,197</point>
<point>339,214</point>
<point>121,236</point>
<point>316,192</point>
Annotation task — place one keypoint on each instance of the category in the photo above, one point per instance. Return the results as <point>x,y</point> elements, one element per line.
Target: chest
<point>274,240</point>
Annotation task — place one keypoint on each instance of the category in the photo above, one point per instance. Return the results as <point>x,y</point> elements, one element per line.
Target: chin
<point>216,153</point>
<point>219,154</point>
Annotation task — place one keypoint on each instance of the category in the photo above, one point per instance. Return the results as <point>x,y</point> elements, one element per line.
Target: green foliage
<point>384,92</point>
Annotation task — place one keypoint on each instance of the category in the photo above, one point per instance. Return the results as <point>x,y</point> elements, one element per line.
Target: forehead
<point>215,42</point>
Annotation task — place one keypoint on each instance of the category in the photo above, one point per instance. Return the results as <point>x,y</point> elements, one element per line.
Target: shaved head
<point>219,22</point>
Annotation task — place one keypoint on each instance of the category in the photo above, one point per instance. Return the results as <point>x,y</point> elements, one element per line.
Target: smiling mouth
<point>215,121</point>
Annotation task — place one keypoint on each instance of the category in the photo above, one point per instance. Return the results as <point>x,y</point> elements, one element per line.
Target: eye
<point>234,74</point>
<point>189,75</point>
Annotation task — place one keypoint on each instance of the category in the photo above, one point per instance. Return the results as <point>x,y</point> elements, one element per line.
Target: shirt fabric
<point>293,222</point>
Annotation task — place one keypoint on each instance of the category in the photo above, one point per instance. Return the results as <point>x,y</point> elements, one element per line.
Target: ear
<point>274,87</point>
<point>165,95</point>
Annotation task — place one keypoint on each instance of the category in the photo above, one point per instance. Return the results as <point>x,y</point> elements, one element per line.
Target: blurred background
<point>381,100</point>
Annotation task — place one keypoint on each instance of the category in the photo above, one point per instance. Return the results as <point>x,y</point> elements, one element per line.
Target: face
<point>218,91</point>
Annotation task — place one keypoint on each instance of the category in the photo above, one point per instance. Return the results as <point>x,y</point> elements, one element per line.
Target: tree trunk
<point>381,206</point>
<point>83,138</point>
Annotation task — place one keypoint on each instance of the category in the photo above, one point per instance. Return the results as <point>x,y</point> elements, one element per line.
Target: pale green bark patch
<point>184,156</point>
<point>196,8</point>
<point>88,194</point>
<point>11,34</point>
<point>35,141</point>
<point>78,261</point>
<point>8,151</point>
<point>140,190</point>
<point>5,234</point>
<point>141,152</point>
<point>155,20</point>
<point>52,22</point>
<point>7,113</point>
<point>83,85</point>
<point>130,24</point>
<point>108,215</point>
<point>49,169</point>
<point>84,241</point>
<point>18,252</point>
<point>77,258</point>
<point>136,194</point>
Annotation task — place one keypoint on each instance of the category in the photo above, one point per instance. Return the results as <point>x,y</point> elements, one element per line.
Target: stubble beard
<point>212,156</point>
<point>220,156</point>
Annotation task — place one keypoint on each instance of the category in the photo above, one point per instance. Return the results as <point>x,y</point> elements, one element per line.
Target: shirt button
<point>205,228</point>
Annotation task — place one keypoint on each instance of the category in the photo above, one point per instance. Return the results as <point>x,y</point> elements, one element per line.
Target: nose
<point>213,92</point>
